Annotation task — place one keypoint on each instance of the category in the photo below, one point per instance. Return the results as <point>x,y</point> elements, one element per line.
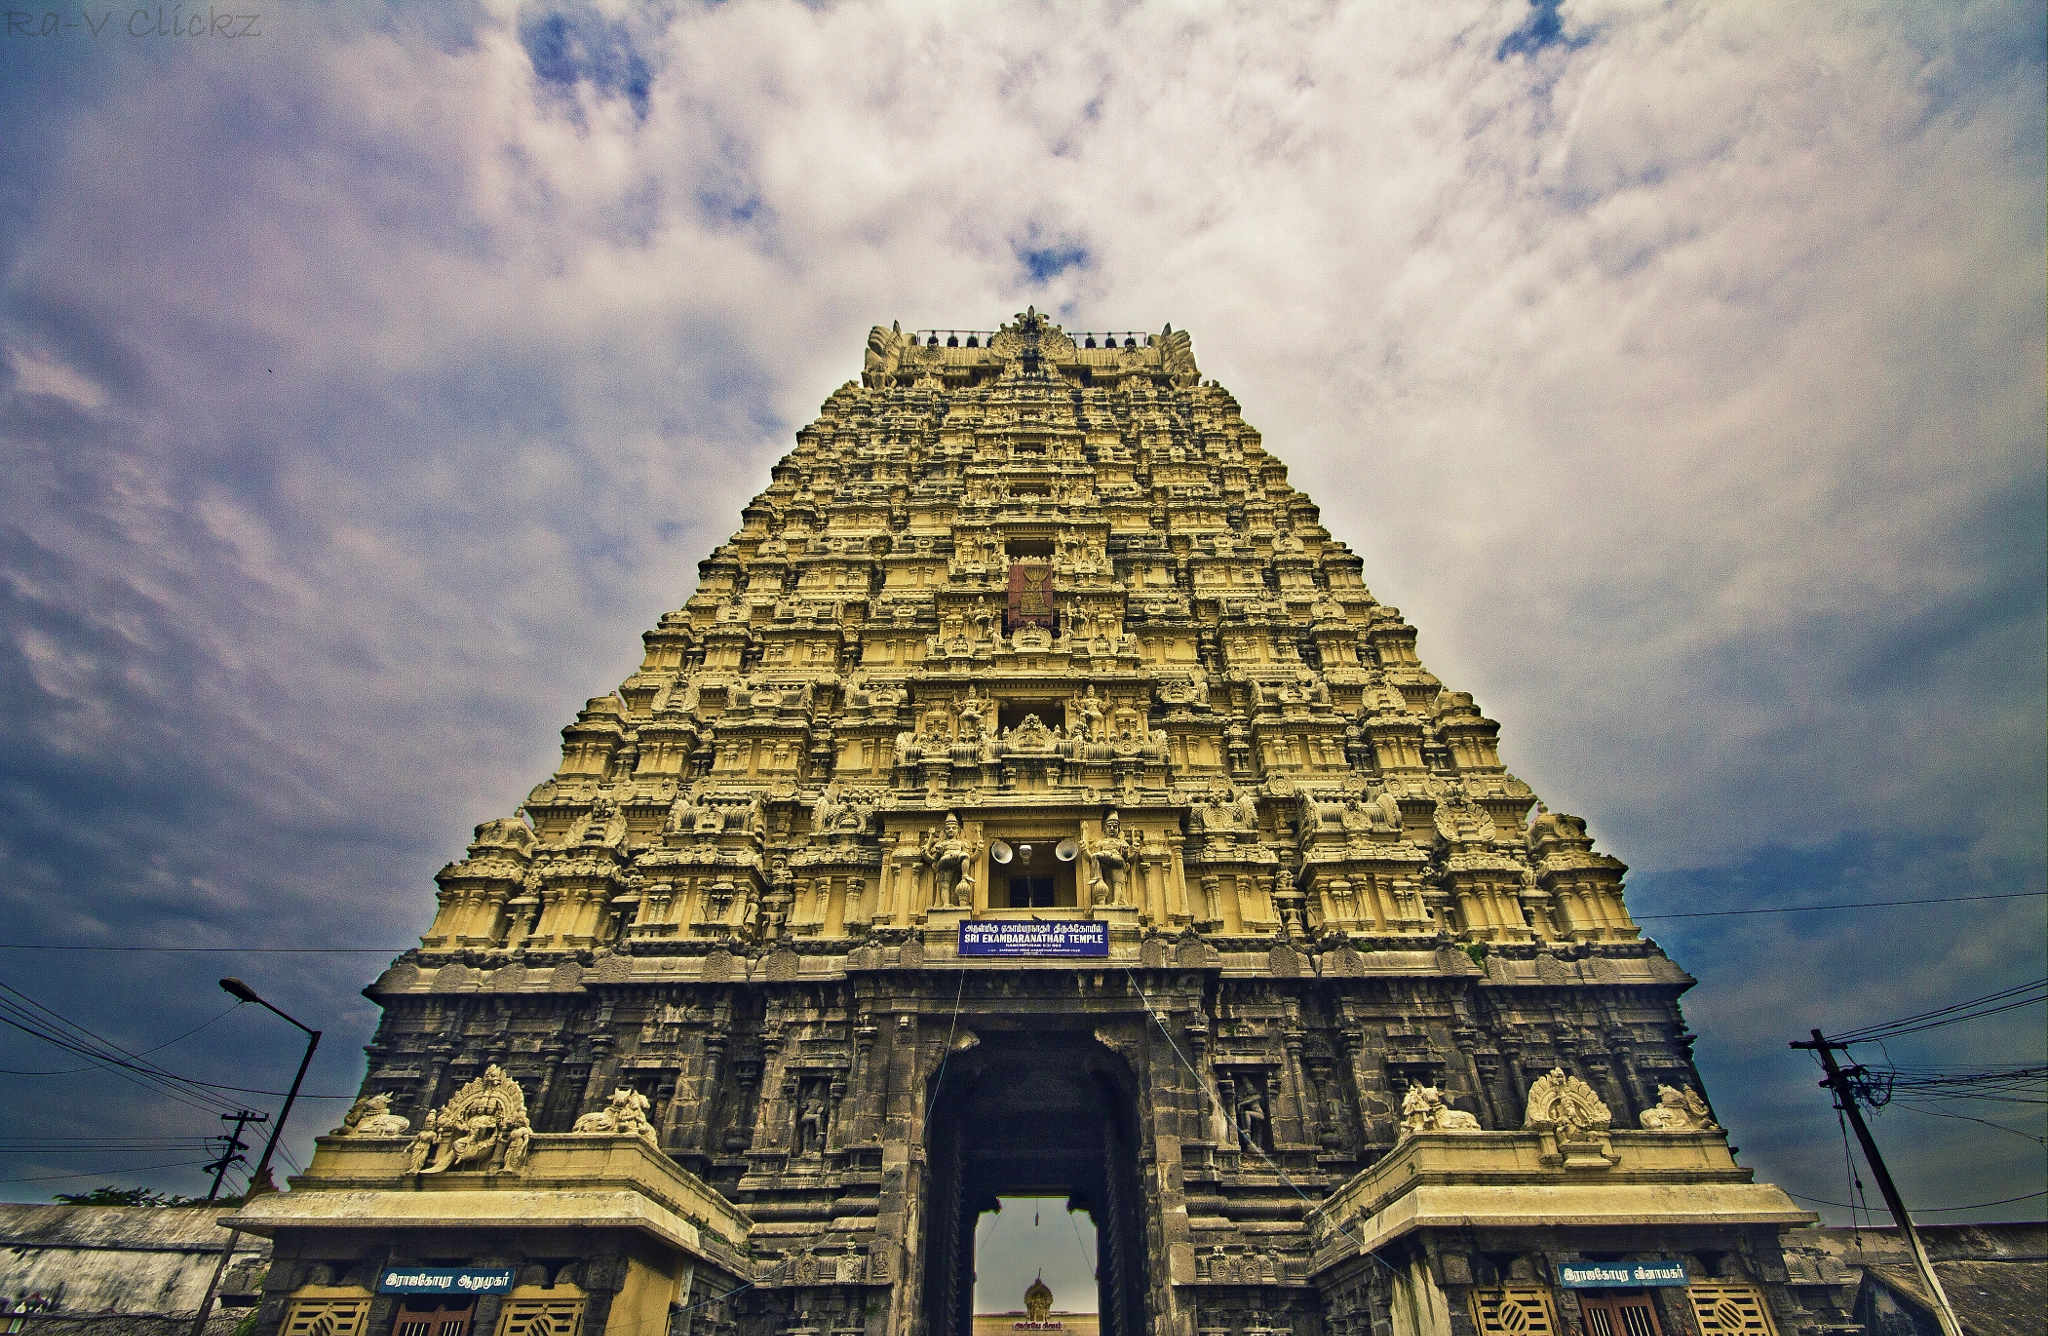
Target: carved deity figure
<point>1423,1109</point>
<point>483,1128</point>
<point>952,859</point>
<point>1567,1104</point>
<point>424,1143</point>
<point>825,812</point>
<point>1251,1115</point>
<point>371,1116</point>
<point>1090,710</point>
<point>1112,855</point>
<point>626,1115</point>
<point>1678,1110</point>
<point>810,1126</point>
<point>605,826</point>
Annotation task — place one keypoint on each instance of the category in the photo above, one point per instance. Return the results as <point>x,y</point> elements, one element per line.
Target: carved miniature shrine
<point>1032,798</point>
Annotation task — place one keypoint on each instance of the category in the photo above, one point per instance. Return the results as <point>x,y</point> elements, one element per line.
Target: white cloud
<point>1683,386</point>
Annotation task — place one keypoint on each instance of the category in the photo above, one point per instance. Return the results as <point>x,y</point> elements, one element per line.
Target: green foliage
<point>247,1326</point>
<point>113,1196</point>
<point>1477,950</point>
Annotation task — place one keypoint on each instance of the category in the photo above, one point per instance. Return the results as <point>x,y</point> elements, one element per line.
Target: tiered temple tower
<point>1033,798</point>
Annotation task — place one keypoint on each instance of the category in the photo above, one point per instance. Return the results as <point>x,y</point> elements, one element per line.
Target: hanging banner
<point>1619,1275</point>
<point>1034,937</point>
<point>1031,594</point>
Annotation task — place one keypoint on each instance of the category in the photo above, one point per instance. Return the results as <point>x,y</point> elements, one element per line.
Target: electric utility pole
<point>231,1154</point>
<point>1839,1079</point>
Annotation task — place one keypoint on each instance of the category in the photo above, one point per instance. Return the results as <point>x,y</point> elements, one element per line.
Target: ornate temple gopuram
<point>1031,799</point>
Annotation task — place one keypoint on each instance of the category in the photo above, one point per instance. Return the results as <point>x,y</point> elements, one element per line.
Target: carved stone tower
<point>1032,798</point>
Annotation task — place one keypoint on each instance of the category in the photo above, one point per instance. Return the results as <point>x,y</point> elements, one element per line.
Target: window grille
<point>326,1317</point>
<point>1728,1308</point>
<point>542,1317</point>
<point>1514,1310</point>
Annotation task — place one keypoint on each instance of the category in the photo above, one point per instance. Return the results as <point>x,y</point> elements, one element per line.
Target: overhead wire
<point>1845,904</point>
<point>72,1071</point>
<point>101,1052</point>
<point>1914,1107</point>
<point>401,950</point>
<point>1977,1008</point>
<point>1926,1210</point>
<point>103,1173</point>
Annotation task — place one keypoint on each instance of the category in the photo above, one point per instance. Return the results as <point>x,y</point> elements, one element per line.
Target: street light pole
<point>245,993</point>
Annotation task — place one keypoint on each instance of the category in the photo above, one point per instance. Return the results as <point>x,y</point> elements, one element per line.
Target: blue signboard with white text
<point>1034,937</point>
<point>1619,1275</point>
<point>457,1280</point>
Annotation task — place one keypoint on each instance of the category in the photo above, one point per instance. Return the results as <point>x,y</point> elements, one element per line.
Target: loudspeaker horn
<point>1000,852</point>
<point>1067,851</point>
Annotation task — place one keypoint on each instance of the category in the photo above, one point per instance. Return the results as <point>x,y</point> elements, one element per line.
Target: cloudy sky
<point>371,379</point>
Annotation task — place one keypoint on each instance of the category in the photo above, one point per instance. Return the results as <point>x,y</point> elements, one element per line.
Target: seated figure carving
<point>626,1115</point>
<point>483,1128</point>
<point>1678,1110</point>
<point>371,1116</point>
<point>1567,1104</point>
<point>1424,1109</point>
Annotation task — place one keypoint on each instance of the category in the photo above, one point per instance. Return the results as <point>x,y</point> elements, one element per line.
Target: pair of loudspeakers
<point>1066,851</point>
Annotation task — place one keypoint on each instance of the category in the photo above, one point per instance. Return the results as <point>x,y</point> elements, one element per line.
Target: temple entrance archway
<point>1039,1113</point>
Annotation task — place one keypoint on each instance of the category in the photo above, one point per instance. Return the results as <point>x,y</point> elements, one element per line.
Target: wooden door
<point>1619,1313</point>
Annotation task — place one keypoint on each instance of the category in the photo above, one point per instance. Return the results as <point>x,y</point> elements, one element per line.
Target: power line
<point>1927,1210</point>
<point>220,950</point>
<point>1964,1117</point>
<point>1976,1008</point>
<point>1846,904</point>
<point>159,1078</point>
<point>102,1173</point>
<point>99,1051</point>
<point>72,1071</point>
<point>401,950</point>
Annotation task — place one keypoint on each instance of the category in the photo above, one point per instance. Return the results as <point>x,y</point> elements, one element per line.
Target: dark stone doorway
<point>1035,1113</point>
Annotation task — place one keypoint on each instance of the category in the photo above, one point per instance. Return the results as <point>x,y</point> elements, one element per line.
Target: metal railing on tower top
<point>979,338</point>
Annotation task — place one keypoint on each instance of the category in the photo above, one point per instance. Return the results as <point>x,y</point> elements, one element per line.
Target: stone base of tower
<point>590,1235</point>
<point>1483,1233</point>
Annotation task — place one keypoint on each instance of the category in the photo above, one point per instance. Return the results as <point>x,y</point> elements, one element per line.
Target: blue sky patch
<point>1045,263</point>
<point>570,47</point>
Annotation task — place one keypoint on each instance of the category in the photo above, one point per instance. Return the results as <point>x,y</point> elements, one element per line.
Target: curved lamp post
<point>242,991</point>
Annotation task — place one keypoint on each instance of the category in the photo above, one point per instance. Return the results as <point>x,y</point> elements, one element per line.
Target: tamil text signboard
<point>1619,1275</point>
<point>456,1280</point>
<point>1034,937</point>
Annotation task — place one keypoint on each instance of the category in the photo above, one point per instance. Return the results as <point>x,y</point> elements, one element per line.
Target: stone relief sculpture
<point>626,1115</point>
<point>810,1125</point>
<point>1111,855</point>
<point>1423,1109</point>
<point>952,858</point>
<point>1678,1110</point>
<point>1089,711</point>
<point>1567,1105</point>
<point>1249,1114</point>
<point>371,1116</point>
<point>483,1128</point>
